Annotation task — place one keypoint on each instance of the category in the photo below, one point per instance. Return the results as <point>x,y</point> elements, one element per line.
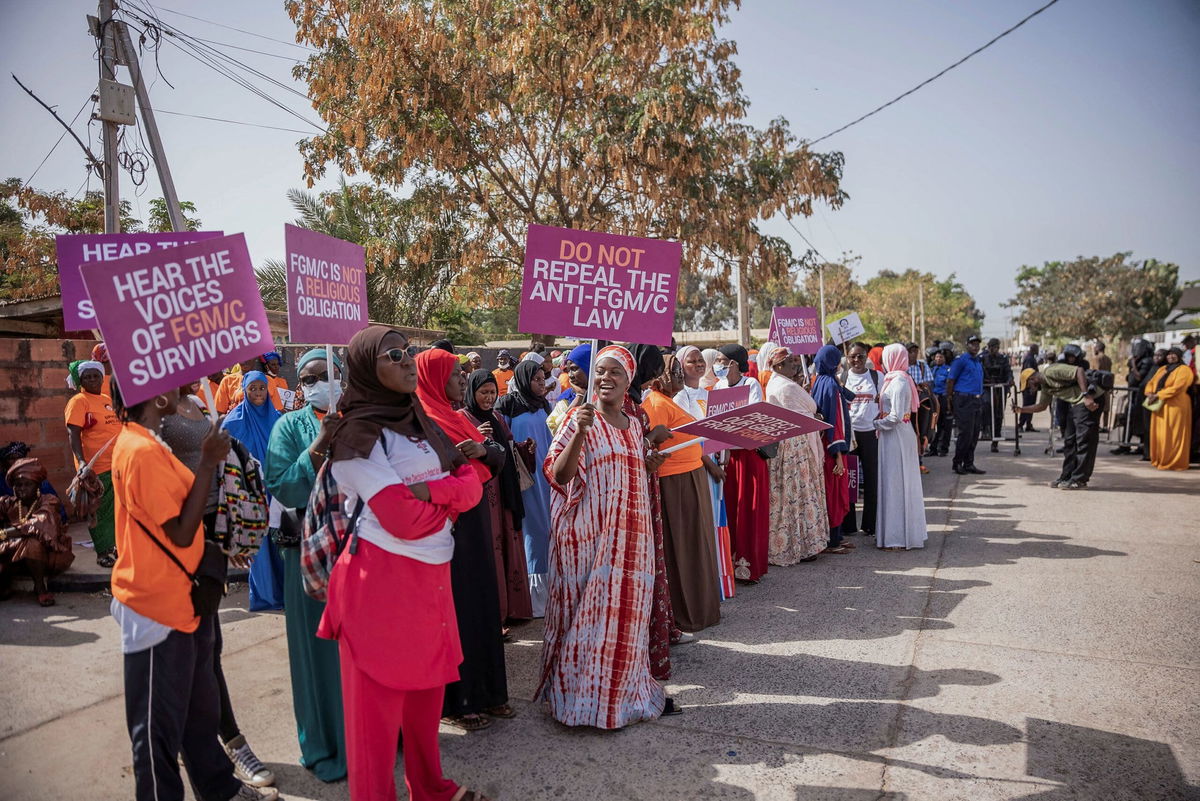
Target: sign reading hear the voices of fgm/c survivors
<point>326,287</point>
<point>599,286</point>
<point>753,426</point>
<point>73,250</point>
<point>173,316</point>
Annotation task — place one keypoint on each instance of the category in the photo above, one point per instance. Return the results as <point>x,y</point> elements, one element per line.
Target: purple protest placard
<point>599,286</point>
<point>326,287</point>
<point>754,426</point>
<point>797,328</point>
<point>720,401</point>
<point>72,250</point>
<point>173,316</point>
<point>852,474</point>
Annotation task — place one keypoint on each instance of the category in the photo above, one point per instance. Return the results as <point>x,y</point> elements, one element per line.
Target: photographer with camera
<point>1079,390</point>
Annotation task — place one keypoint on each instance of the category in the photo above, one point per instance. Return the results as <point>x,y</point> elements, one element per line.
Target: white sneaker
<point>248,793</point>
<point>247,767</point>
<point>685,638</point>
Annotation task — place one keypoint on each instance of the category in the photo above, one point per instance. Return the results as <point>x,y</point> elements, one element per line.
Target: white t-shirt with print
<point>865,406</point>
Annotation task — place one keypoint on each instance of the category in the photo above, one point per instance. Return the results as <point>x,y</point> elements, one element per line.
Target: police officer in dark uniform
<point>997,378</point>
<point>964,388</point>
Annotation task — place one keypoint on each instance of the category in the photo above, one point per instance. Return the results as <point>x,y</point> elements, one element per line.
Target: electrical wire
<point>233,122</point>
<point>928,81</point>
<point>57,142</point>
<point>230,27</point>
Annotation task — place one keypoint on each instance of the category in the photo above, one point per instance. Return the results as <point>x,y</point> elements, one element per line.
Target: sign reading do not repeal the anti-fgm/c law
<point>173,316</point>
<point>599,286</point>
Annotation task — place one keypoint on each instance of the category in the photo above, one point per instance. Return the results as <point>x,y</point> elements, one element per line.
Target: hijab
<point>765,354</point>
<point>875,356</point>
<point>510,481</point>
<point>368,407</point>
<point>738,354</point>
<point>249,424</point>
<point>1170,368</point>
<point>434,368</point>
<point>521,399</point>
<point>649,366</point>
<point>895,361</point>
<point>831,397</point>
<point>621,356</point>
<point>663,382</point>
<point>709,379</point>
<point>582,356</point>
<point>314,354</point>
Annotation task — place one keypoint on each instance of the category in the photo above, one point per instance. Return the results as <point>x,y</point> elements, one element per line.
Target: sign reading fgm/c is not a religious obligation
<point>173,316</point>
<point>599,286</point>
<point>797,328</point>
<point>326,287</point>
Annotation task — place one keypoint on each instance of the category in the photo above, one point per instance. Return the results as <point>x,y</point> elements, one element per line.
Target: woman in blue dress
<point>525,410</point>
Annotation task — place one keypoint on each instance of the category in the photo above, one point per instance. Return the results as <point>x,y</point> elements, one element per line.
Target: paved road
<point>1043,646</point>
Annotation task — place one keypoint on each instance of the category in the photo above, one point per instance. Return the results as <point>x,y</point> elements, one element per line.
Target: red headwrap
<point>434,368</point>
<point>100,353</point>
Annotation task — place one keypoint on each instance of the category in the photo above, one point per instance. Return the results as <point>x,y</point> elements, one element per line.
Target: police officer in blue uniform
<point>964,388</point>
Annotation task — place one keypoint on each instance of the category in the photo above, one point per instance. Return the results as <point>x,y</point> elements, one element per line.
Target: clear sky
<point>1076,134</point>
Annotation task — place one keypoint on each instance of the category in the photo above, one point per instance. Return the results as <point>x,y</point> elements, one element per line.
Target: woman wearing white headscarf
<point>799,523</point>
<point>710,378</point>
<point>900,514</point>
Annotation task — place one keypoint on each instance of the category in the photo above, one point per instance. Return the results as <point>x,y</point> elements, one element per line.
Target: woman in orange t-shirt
<point>92,427</point>
<point>689,548</point>
<point>172,699</point>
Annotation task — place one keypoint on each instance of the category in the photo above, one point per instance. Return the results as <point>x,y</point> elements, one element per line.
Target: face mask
<point>319,394</point>
<point>721,370</point>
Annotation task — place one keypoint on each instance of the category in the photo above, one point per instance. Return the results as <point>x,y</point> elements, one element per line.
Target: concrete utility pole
<point>912,323</point>
<point>743,308</point>
<point>108,71</point>
<point>821,291</point>
<point>166,183</point>
<point>921,300</point>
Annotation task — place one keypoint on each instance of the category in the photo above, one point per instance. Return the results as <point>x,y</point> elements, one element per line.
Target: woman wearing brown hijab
<point>389,601</point>
<point>33,536</point>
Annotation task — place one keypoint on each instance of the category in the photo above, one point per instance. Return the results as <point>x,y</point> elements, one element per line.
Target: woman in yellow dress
<point>1171,425</point>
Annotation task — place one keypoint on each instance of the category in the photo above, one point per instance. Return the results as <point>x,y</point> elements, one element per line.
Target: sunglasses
<point>858,355</point>
<point>397,355</point>
<point>310,380</point>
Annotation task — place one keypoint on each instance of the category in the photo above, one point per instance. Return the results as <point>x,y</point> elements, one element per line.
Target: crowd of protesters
<point>466,501</point>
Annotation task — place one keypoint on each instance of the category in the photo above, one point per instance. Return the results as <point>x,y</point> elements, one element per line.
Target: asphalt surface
<point>1043,645</point>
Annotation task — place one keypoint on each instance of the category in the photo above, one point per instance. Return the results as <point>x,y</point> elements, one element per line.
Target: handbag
<point>1153,405</point>
<point>208,581</point>
<point>291,529</point>
<point>524,475</point>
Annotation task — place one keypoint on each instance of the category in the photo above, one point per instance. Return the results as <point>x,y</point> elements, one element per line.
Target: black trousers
<point>867,451</point>
<point>228,728</point>
<point>1028,398</point>
<point>992,425</point>
<point>966,416</point>
<point>945,428</point>
<point>172,707</point>
<point>1081,435</point>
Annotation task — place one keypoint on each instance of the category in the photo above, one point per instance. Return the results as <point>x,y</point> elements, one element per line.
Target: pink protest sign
<point>852,474</point>
<point>172,316</point>
<point>72,250</point>
<point>326,287</point>
<point>599,286</point>
<point>720,401</point>
<point>754,426</point>
<point>797,328</point>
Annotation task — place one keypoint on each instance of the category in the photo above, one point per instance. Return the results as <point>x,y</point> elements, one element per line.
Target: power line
<point>249,50</point>
<point>928,81</point>
<point>57,142</point>
<point>811,246</point>
<point>234,122</point>
<point>229,27</point>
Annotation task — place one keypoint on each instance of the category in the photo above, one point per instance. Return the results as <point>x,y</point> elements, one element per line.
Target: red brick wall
<point>33,395</point>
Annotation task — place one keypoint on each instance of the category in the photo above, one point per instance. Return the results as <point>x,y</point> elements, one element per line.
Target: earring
<point>160,402</point>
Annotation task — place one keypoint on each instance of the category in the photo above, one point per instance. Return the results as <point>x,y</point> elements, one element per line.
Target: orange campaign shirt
<point>150,486</point>
<point>502,379</point>
<point>230,394</point>
<point>661,410</point>
<point>95,416</point>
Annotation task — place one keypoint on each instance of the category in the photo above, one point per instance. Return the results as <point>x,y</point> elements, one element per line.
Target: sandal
<point>503,711</point>
<point>849,545</point>
<point>107,559</point>
<point>46,599</point>
<point>836,549</point>
<point>472,722</point>
<point>670,708</point>
<point>464,794</point>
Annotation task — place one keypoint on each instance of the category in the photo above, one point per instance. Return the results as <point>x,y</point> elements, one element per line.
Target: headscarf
<point>876,357</point>
<point>1170,368</point>
<point>521,399</point>
<point>650,364</point>
<point>510,481</point>
<point>622,356</point>
<point>100,352</point>
<point>368,407</point>
<point>75,372</point>
<point>313,355</point>
<point>895,361</point>
<point>473,355</point>
<point>663,382</point>
<point>536,358</point>
<point>266,357</point>
<point>434,368</point>
<point>582,356</point>
<point>442,344</point>
<point>738,354</point>
<point>709,379</point>
<point>29,468</point>
<point>764,356</point>
<point>249,424</point>
<point>15,450</point>
<point>832,398</point>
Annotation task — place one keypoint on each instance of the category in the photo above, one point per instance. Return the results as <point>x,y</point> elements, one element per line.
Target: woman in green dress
<point>299,442</point>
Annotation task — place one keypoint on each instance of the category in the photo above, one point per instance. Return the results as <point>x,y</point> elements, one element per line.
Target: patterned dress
<point>596,657</point>
<point>799,522</point>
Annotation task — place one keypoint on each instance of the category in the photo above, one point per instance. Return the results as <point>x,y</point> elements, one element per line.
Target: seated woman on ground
<point>34,537</point>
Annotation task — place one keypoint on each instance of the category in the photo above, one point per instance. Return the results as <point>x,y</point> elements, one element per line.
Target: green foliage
<point>1095,297</point>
